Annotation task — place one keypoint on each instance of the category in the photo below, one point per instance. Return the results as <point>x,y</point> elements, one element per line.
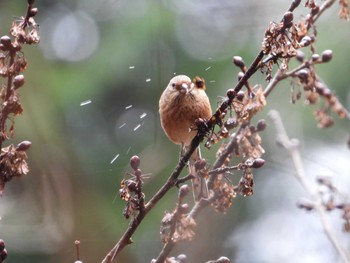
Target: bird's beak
<point>184,87</point>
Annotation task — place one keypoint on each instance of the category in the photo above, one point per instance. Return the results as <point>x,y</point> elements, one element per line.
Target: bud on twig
<point>184,208</point>
<point>294,5</point>
<point>327,55</point>
<point>23,146</point>
<point>240,95</point>
<point>300,56</point>
<point>231,94</point>
<point>238,61</point>
<point>315,10</point>
<point>261,125</point>
<point>240,75</point>
<point>303,74</point>
<point>288,19</point>
<point>33,12</point>
<point>18,81</point>
<point>315,57</point>
<point>257,163</point>
<point>135,162</point>
<point>184,190</point>
<point>6,42</point>
<point>305,41</point>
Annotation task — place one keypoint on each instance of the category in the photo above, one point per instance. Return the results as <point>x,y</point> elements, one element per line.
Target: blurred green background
<point>91,102</point>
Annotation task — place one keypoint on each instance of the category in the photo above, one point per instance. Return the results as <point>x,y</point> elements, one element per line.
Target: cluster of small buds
<point>314,88</point>
<point>3,251</point>
<point>239,62</point>
<point>177,225</point>
<point>131,190</point>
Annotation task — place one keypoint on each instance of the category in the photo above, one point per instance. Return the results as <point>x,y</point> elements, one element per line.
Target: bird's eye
<point>199,83</point>
<point>173,85</point>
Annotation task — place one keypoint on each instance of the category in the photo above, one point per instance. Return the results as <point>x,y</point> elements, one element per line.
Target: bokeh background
<point>91,102</point>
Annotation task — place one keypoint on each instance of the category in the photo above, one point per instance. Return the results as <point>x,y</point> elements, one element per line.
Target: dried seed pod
<point>258,162</point>
<point>288,19</point>
<point>184,190</point>
<point>261,125</point>
<point>6,42</point>
<point>231,93</point>
<point>230,123</point>
<point>302,74</point>
<point>238,61</point>
<point>240,95</point>
<point>33,12</point>
<point>240,75</point>
<point>315,57</point>
<point>18,81</point>
<point>305,41</point>
<point>294,4</point>
<point>300,56</point>
<point>327,55</point>
<point>315,10</point>
<point>135,162</point>
<point>23,146</point>
<point>184,208</point>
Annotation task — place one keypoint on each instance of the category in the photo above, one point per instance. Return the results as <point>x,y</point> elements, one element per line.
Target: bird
<point>182,103</point>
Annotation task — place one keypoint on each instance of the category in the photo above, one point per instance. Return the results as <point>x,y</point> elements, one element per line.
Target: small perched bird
<point>180,105</point>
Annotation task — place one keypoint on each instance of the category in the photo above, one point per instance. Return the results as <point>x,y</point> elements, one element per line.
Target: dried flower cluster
<point>12,64</point>
<point>177,225</point>
<point>131,190</point>
<point>315,89</point>
<point>299,35</point>
<point>344,9</point>
<point>247,146</point>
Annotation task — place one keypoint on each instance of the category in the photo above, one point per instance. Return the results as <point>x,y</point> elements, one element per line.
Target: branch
<point>204,129</point>
<point>291,145</point>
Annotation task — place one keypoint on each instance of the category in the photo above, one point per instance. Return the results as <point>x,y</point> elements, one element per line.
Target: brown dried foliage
<point>12,64</point>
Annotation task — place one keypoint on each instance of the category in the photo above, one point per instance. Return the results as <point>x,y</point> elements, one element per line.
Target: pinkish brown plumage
<point>180,105</point>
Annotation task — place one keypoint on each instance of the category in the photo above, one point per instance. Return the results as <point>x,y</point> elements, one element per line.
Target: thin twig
<point>291,145</point>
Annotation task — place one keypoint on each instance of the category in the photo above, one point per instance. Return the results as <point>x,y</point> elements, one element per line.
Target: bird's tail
<point>199,184</point>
